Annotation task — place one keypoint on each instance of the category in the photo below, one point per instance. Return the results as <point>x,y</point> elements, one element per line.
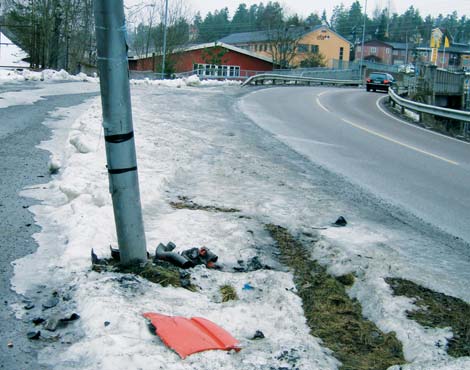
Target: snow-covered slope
<point>10,54</point>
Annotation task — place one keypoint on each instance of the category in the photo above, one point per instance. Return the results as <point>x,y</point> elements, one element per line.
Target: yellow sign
<point>436,37</point>
<point>434,55</point>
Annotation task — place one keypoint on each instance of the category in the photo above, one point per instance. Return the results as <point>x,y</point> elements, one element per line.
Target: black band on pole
<point>120,138</point>
<point>121,170</point>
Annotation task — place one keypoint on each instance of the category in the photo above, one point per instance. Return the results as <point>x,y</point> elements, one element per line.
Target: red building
<point>375,51</point>
<point>211,59</point>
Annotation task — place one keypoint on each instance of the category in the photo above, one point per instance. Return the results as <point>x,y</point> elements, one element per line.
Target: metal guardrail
<point>299,79</point>
<point>321,72</point>
<point>429,109</point>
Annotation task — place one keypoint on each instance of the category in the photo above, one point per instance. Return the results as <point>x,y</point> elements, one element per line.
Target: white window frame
<point>214,70</point>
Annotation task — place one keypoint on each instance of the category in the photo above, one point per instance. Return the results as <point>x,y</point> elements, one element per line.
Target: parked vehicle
<point>407,68</point>
<point>379,81</point>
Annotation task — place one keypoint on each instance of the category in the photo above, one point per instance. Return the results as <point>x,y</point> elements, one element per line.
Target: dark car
<point>379,81</point>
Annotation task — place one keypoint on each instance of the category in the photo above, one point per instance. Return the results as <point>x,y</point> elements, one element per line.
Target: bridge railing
<point>420,108</point>
<point>455,114</point>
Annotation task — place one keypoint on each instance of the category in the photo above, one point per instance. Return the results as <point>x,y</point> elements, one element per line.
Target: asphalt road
<point>21,165</point>
<point>350,133</point>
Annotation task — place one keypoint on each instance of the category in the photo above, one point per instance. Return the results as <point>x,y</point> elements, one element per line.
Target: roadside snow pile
<point>10,75</point>
<point>50,75</point>
<point>45,75</point>
<point>187,81</point>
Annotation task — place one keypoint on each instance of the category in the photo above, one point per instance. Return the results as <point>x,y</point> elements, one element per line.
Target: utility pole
<point>118,129</point>
<point>363,37</point>
<point>164,39</point>
<point>388,20</point>
<point>406,50</point>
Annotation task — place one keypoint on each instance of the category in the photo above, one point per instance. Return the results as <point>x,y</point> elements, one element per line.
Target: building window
<point>341,53</point>
<point>315,49</point>
<point>359,48</point>
<point>373,50</point>
<point>205,70</point>
<point>302,48</point>
<point>395,52</point>
<point>387,51</point>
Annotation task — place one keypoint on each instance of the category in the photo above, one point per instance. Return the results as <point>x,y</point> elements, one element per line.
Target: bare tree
<point>55,33</point>
<point>147,36</point>
<point>283,43</point>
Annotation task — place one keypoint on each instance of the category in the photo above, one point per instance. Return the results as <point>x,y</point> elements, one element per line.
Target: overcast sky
<point>305,7</point>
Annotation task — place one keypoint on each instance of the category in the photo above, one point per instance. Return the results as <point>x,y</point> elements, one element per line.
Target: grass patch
<point>228,293</point>
<point>332,315</point>
<point>162,273</point>
<point>186,203</point>
<point>437,310</point>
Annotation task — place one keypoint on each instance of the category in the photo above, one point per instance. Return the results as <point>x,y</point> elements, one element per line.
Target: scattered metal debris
<point>258,335</point>
<point>34,335</point>
<point>341,221</point>
<point>51,302</point>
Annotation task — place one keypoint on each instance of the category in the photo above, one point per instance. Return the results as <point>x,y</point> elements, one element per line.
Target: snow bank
<point>193,81</point>
<point>178,155</point>
<point>195,143</point>
<point>45,75</point>
<point>62,75</point>
<point>10,54</point>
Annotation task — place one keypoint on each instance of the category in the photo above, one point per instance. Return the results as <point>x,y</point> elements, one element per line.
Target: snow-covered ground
<point>195,141</point>
<point>10,54</point>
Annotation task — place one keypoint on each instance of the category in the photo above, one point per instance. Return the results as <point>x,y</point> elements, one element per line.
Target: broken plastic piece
<point>188,336</point>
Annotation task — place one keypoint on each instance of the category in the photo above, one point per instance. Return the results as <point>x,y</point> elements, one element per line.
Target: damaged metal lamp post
<point>118,130</point>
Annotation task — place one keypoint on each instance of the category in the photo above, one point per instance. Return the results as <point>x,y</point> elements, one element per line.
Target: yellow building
<point>306,40</point>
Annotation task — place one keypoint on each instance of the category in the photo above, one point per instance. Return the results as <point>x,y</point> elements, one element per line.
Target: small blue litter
<point>247,286</point>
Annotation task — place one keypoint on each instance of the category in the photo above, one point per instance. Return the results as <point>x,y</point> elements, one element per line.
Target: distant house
<point>375,51</point>
<point>456,56</point>
<point>210,59</point>
<point>402,52</point>
<point>309,40</point>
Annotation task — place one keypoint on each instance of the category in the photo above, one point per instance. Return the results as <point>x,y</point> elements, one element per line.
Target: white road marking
<point>320,104</point>
<point>377,103</point>
<point>398,142</point>
<point>303,140</point>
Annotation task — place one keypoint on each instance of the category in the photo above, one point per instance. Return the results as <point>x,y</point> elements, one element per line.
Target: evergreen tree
<point>241,20</point>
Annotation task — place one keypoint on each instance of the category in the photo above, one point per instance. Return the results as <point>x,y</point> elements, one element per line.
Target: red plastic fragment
<point>187,336</point>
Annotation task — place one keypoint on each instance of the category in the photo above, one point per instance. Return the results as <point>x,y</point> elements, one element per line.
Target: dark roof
<point>210,45</point>
<point>264,36</point>
<point>459,48</point>
<point>377,43</point>
<point>454,48</point>
<point>401,45</point>
<point>245,37</point>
